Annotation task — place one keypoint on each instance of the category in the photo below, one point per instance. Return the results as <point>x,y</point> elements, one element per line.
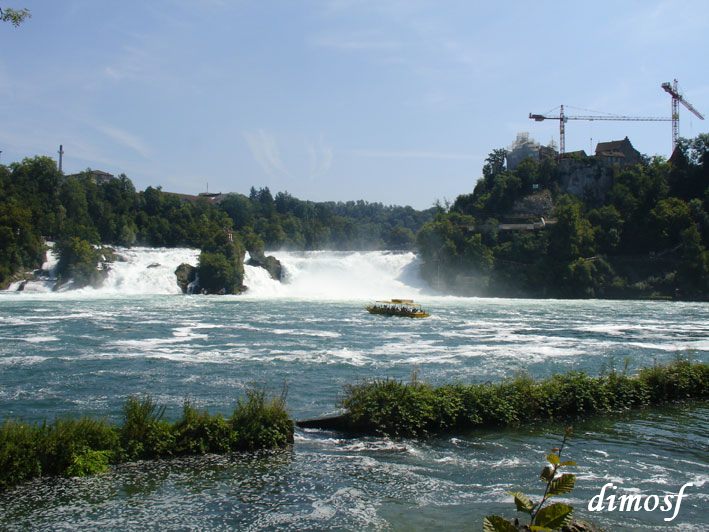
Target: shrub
<point>89,462</point>
<point>417,409</point>
<point>19,460</point>
<point>80,447</point>
<point>65,441</point>
<point>144,434</point>
<point>261,423</point>
<point>200,433</point>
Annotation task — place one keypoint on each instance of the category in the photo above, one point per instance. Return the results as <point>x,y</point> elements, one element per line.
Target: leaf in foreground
<point>495,523</point>
<point>554,516</point>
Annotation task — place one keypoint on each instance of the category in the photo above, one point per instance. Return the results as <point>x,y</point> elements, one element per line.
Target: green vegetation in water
<point>80,447</point>
<point>417,409</point>
<point>554,516</point>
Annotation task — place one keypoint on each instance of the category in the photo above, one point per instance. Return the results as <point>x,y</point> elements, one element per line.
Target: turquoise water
<point>68,356</point>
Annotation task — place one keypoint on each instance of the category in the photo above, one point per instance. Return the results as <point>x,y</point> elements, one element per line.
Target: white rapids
<point>323,275</point>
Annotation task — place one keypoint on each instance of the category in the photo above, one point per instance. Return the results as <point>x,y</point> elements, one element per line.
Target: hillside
<point>83,211</point>
<point>578,227</point>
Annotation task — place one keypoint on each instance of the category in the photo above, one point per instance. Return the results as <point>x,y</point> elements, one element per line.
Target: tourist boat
<point>398,307</point>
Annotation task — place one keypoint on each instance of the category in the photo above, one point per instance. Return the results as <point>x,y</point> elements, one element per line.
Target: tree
<point>14,16</point>
<point>670,217</point>
<point>78,260</point>
<point>495,163</point>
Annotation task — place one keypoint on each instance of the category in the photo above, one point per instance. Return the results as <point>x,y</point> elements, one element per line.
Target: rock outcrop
<point>270,263</point>
<point>186,275</point>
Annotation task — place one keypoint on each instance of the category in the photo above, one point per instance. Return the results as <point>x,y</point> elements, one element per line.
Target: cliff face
<point>537,205</point>
<point>587,179</point>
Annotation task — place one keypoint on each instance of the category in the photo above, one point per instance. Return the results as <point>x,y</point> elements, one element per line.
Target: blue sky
<point>391,101</point>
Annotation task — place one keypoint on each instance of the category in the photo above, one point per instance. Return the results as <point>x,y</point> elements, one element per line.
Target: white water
<point>307,275</point>
<point>46,277</point>
<point>146,271</point>
<point>339,275</point>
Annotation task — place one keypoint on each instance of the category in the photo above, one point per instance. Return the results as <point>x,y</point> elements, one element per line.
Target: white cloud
<point>320,156</point>
<point>413,154</point>
<point>264,149</point>
<point>125,139</point>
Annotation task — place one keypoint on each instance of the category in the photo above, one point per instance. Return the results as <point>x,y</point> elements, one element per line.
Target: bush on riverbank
<point>418,409</point>
<point>80,447</point>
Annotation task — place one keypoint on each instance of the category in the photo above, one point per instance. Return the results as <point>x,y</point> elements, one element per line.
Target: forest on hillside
<point>646,236</point>
<point>80,213</point>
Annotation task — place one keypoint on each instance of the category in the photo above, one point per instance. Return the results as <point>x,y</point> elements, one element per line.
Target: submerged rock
<point>340,423</point>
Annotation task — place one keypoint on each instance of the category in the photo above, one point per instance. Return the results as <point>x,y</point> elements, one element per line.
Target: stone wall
<point>585,178</point>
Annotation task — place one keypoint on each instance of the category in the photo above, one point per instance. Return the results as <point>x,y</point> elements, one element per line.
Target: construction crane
<point>673,90</point>
<point>563,118</point>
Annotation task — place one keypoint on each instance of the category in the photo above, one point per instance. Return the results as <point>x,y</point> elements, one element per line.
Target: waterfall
<point>339,275</point>
<point>332,275</point>
<point>146,270</point>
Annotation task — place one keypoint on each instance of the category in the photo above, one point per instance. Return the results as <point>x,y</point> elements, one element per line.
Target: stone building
<point>525,147</point>
<point>620,152</point>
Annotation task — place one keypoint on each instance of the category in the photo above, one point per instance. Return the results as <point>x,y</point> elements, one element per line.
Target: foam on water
<point>314,275</point>
<point>332,275</point>
<point>146,271</point>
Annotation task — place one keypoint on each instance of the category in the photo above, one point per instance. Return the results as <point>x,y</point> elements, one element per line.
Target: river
<point>84,352</point>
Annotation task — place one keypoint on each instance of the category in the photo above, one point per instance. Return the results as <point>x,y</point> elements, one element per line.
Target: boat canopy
<point>406,302</point>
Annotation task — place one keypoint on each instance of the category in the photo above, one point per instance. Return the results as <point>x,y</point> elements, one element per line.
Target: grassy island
<point>416,409</point>
<point>85,446</point>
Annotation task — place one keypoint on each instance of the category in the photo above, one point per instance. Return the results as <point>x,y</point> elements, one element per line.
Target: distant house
<point>578,154</point>
<point>620,152</point>
<point>214,197</point>
<point>97,176</point>
<point>211,197</point>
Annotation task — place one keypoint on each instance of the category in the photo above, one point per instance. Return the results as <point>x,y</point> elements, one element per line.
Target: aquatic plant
<point>551,517</point>
<point>85,446</point>
<point>261,422</point>
<point>417,409</point>
<point>144,433</point>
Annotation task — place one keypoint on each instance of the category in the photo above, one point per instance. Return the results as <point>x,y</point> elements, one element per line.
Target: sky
<point>393,101</point>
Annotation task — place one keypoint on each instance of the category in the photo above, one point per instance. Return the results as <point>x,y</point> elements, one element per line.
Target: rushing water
<point>83,352</point>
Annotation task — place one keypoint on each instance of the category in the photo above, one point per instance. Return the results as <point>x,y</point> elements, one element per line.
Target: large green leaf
<point>523,503</point>
<point>547,473</point>
<point>554,516</point>
<point>553,458</point>
<point>495,523</point>
<point>563,484</point>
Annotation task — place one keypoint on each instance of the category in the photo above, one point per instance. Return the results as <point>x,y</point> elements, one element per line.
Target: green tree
<point>694,267</point>
<point>14,16</point>
<point>78,261</point>
<point>607,226</point>
<point>669,218</point>
<point>572,236</point>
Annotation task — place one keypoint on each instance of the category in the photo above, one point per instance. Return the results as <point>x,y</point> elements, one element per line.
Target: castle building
<point>619,152</point>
